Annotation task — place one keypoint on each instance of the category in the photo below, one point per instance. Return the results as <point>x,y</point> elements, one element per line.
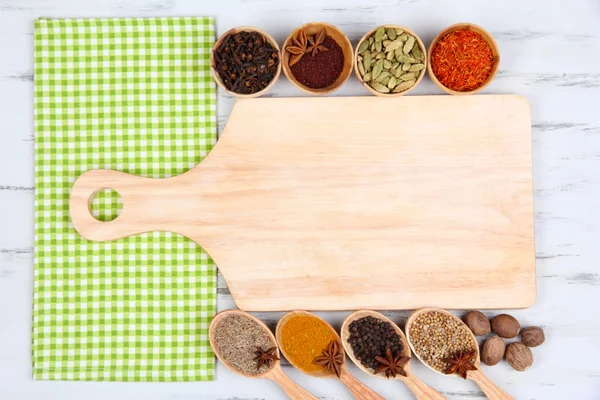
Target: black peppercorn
<point>369,338</point>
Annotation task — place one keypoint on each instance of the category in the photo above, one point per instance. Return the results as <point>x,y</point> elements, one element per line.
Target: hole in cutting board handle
<point>105,204</point>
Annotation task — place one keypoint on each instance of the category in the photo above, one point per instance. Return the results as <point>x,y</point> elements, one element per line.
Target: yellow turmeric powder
<point>304,338</point>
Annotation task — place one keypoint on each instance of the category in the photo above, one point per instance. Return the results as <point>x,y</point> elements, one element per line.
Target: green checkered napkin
<point>133,95</point>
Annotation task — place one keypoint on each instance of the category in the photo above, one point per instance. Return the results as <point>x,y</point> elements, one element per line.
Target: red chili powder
<point>462,60</point>
<point>322,69</point>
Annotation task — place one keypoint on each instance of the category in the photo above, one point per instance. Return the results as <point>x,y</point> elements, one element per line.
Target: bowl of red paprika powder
<point>463,59</point>
<point>317,58</point>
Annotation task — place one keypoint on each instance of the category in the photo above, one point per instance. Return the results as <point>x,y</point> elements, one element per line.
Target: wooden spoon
<point>492,391</point>
<point>275,373</point>
<point>358,389</point>
<point>419,388</point>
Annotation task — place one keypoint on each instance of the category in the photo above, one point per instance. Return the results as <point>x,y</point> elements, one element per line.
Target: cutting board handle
<point>138,193</point>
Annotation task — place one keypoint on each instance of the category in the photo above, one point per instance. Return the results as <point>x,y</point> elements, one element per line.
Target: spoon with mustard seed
<point>265,356</point>
<point>447,346</point>
<point>333,359</point>
<point>397,366</point>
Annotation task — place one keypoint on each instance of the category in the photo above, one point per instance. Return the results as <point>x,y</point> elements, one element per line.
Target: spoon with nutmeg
<point>389,365</point>
<point>233,335</point>
<point>453,350</point>
<point>311,345</point>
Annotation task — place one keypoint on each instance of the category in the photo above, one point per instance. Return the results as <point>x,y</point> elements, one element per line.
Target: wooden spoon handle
<point>144,208</point>
<point>492,391</point>
<point>291,388</point>
<point>359,390</point>
<point>421,390</point>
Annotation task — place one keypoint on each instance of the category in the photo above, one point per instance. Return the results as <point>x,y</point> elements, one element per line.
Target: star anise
<point>460,363</point>
<point>265,357</point>
<point>316,43</point>
<point>298,49</point>
<point>332,358</point>
<point>391,365</point>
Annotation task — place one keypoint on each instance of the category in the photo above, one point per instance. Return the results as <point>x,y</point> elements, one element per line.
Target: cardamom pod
<point>396,44</point>
<point>395,64</point>
<point>406,67</point>
<point>386,43</point>
<point>391,33</point>
<point>371,40</point>
<point>377,68</point>
<point>403,37</point>
<point>399,73</point>
<point>409,76</point>
<point>378,46</point>
<point>385,81</point>
<point>367,77</point>
<point>398,53</point>
<point>363,46</point>
<point>402,86</point>
<point>387,64</point>
<point>382,76</point>
<point>389,56</point>
<point>380,56</point>
<point>416,53</point>
<point>392,82</point>
<point>359,57</point>
<point>399,31</point>
<point>379,87</point>
<point>416,67</point>
<point>372,47</point>
<point>404,59</point>
<point>374,53</point>
<point>361,68</point>
<point>379,34</point>
<point>367,61</point>
<point>408,46</point>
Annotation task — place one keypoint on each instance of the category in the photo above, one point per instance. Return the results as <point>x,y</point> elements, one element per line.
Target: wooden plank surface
<point>549,55</point>
<point>351,203</point>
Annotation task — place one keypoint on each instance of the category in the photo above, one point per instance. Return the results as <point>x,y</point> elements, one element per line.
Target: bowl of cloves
<point>317,58</point>
<point>245,61</point>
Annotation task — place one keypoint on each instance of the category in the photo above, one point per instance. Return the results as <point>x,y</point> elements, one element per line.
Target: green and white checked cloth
<point>133,95</point>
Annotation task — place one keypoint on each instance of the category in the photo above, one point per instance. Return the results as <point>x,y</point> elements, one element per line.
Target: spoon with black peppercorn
<point>424,320</point>
<point>400,362</point>
<point>273,370</point>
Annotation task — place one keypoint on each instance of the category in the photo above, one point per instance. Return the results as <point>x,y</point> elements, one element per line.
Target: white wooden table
<point>550,54</point>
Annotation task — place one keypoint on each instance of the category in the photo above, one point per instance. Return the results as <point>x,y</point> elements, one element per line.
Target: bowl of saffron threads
<point>463,59</point>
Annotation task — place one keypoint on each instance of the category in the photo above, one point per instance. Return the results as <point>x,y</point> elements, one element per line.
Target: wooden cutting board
<point>351,202</point>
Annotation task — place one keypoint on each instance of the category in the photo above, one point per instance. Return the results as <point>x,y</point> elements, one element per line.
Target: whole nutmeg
<point>505,326</point>
<point>519,356</point>
<point>493,350</point>
<point>532,336</point>
<point>478,323</point>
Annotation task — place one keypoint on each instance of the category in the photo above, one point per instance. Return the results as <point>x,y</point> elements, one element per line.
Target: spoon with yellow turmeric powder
<point>314,347</point>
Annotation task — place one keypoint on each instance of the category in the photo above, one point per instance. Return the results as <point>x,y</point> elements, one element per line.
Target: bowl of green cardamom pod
<point>390,60</point>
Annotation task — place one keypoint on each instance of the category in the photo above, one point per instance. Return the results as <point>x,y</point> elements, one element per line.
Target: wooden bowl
<point>218,43</point>
<point>487,386</point>
<point>342,40</point>
<point>371,33</point>
<point>489,40</point>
